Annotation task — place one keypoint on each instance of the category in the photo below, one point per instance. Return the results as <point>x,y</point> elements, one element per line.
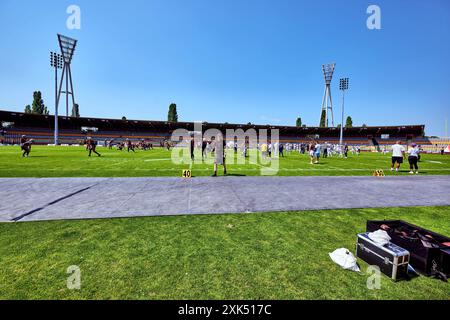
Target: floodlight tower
<point>56,61</point>
<point>327,102</point>
<point>343,86</point>
<point>67,46</point>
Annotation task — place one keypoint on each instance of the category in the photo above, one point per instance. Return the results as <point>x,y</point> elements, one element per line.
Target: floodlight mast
<point>343,86</point>
<point>327,102</point>
<point>56,61</point>
<point>67,46</point>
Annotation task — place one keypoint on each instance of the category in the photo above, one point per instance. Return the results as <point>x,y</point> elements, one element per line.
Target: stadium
<point>163,210</point>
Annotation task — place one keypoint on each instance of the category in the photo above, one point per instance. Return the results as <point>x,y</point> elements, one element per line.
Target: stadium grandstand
<point>74,131</point>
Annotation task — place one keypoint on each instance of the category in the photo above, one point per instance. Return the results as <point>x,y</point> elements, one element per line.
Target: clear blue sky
<point>238,61</point>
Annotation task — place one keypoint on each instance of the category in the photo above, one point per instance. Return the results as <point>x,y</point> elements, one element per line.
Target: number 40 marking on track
<point>379,173</point>
<point>187,174</point>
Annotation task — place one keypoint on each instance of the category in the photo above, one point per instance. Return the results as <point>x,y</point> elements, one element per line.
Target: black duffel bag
<point>430,251</point>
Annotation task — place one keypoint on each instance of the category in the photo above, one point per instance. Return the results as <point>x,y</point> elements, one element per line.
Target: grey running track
<point>89,198</point>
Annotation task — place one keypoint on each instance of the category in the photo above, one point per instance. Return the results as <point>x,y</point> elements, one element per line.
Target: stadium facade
<point>74,130</point>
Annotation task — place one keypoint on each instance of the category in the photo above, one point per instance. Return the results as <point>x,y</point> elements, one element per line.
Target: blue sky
<point>235,60</point>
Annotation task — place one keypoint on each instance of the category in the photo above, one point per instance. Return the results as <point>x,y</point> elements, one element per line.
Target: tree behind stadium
<point>349,122</point>
<point>38,106</point>
<point>172,115</point>
<point>76,111</point>
<point>322,119</point>
<point>299,122</point>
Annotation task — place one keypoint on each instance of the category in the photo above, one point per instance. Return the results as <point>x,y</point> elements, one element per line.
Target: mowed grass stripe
<point>74,162</point>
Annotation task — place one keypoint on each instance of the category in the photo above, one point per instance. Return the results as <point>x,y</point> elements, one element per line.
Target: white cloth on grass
<point>380,237</point>
<point>344,258</point>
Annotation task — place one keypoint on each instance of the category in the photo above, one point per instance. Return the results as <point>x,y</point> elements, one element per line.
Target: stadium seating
<point>75,131</point>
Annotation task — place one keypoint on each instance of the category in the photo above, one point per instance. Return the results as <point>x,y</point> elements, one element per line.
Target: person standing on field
<point>204,146</point>
<point>317,152</point>
<point>414,153</point>
<point>192,147</point>
<point>130,145</point>
<point>398,153</point>
<point>346,151</point>
<point>91,145</point>
<point>219,146</point>
<point>312,151</point>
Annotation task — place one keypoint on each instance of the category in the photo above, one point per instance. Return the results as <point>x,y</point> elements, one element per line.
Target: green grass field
<point>74,162</point>
<point>251,256</point>
<point>254,256</point>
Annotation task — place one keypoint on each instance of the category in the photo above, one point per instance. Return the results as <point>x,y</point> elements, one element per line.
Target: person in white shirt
<point>398,153</point>
<point>413,158</point>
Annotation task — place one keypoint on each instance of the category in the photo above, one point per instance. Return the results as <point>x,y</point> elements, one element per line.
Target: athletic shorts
<point>399,160</point>
<point>413,160</point>
<point>317,155</point>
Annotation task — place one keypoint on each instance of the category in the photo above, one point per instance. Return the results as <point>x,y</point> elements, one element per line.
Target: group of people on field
<point>399,153</point>
<point>316,150</point>
<point>218,146</point>
<point>129,145</point>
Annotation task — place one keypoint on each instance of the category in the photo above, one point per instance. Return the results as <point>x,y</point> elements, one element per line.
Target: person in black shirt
<point>204,145</point>
<point>2,136</point>
<point>325,150</point>
<point>91,145</point>
<point>130,146</point>
<point>25,146</point>
<point>110,144</point>
<point>192,148</point>
<point>281,149</point>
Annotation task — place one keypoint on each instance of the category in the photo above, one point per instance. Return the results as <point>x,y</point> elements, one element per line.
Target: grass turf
<point>74,162</point>
<point>255,256</point>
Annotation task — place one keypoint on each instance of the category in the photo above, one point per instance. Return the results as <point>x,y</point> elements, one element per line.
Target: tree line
<point>348,122</point>
<point>38,106</point>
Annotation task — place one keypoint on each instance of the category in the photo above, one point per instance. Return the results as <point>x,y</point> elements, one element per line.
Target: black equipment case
<point>391,259</point>
<point>428,254</point>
